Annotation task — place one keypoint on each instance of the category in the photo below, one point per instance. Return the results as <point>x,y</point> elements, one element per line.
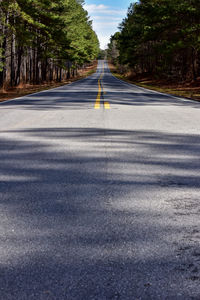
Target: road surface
<point>99,193</point>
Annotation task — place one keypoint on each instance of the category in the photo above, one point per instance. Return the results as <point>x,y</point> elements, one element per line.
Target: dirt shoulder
<point>30,89</point>
<point>190,90</point>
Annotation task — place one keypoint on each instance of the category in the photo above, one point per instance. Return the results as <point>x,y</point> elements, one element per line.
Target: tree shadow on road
<point>81,96</point>
<point>76,222</point>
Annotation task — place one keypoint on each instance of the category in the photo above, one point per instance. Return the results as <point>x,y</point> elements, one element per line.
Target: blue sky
<point>106,16</point>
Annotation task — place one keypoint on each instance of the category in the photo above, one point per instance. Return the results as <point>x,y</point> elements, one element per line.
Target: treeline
<point>160,37</point>
<point>44,40</point>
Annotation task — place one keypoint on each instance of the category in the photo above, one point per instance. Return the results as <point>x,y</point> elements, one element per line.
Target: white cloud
<point>104,40</point>
<point>103,9</point>
<point>92,8</point>
<point>107,25</point>
<point>102,18</point>
<point>105,20</point>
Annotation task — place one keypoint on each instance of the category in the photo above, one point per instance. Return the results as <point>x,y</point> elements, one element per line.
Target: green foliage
<point>160,36</point>
<point>56,29</point>
<point>102,54</point>
<point>113,46</point>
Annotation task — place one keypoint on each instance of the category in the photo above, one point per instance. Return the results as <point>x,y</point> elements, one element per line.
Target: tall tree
<point>41,39</point>
<point>162,37</point>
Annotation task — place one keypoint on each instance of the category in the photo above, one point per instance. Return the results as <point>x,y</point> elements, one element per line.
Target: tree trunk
<point>194,64</point>
<point>4,48</point>
<point>19,61</point>
<point>68,70</point>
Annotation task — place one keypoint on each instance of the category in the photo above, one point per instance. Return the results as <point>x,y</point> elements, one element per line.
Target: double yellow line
<point>100,91</point>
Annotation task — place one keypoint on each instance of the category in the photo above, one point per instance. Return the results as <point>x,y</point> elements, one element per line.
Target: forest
<point>159,38</point>
<point>44,40</point>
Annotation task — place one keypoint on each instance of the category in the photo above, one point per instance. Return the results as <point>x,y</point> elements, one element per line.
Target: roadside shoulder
<point>152,89</point>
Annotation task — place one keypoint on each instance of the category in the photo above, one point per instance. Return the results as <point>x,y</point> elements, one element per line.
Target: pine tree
<point>162,37</point>
<point>41,39</point>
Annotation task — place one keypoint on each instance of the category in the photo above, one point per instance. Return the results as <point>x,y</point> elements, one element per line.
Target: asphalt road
<point>99,193</point>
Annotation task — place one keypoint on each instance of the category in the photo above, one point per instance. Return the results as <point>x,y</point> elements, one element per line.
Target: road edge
<point>154,91</point>
<point>51,89</point>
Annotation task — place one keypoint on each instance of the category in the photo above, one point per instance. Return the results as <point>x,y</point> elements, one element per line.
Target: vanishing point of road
<point>99,193</point>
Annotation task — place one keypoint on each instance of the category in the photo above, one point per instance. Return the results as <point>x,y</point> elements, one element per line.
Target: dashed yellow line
<point>100,89</point>
<point>97,104</point>
<point>106,105</point>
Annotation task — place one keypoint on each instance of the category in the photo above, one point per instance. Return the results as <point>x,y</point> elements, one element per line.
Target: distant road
<point>99,193</point>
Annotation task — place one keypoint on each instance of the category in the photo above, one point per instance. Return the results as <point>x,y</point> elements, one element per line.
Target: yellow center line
<point>106,105</point>
<point>100,89</point>
<point>97,104</point>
